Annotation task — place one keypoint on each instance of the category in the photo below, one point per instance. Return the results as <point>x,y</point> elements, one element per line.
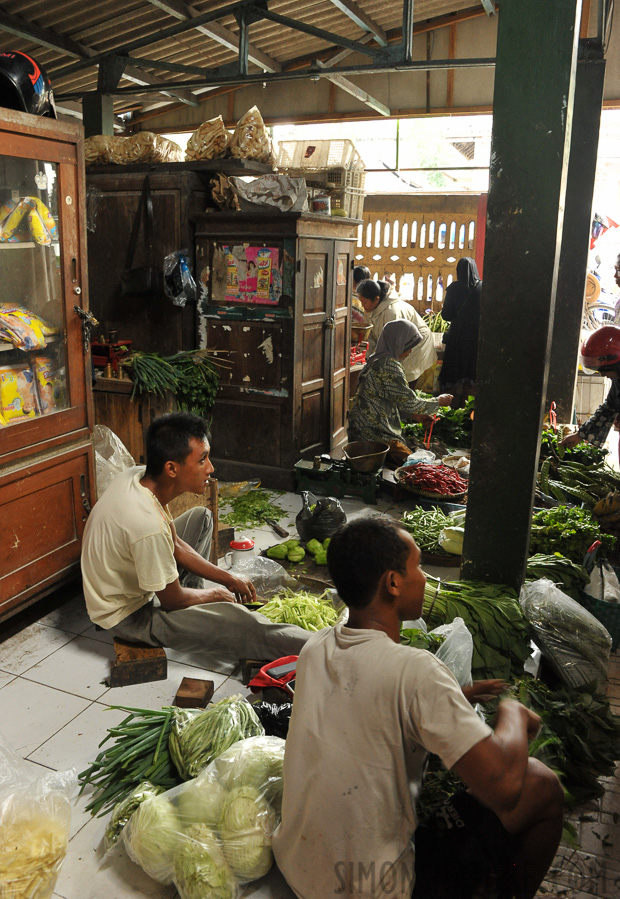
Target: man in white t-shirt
<point>147,578</point>
<point>367,712</point>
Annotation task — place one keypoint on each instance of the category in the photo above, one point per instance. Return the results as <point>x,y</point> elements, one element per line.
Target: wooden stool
<point>137,663</point>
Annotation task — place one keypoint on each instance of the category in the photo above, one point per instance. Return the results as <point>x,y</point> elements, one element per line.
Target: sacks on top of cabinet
<point>251,139</point>
<point>145,146</point>
<point>209,141</point>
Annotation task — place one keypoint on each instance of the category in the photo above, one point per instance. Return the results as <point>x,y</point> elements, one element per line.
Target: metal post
<point>575,236</point>
<point>532,109</point>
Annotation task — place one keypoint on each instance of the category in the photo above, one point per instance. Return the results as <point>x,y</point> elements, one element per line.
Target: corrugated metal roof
<point>63,34</point>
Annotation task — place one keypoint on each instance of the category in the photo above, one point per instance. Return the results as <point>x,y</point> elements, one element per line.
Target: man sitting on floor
<point>144,574</point>
<point>367,712</point>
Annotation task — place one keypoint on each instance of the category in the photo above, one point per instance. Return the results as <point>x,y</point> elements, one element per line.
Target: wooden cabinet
<point>46,467</point>
<point>277,295</point>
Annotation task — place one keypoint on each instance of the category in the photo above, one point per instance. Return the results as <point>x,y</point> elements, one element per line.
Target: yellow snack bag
<point>17,392</point>
<point>45,380</point>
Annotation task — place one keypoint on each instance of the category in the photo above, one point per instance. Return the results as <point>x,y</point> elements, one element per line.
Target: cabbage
<point>200,801</point>
<point>200,869</point>
<point>247,824</point>
<point>151,838</point>
<point>256,762</point>
<point>124,809</point>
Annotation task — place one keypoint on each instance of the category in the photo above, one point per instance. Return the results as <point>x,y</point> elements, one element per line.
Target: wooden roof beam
<point>217,32</point>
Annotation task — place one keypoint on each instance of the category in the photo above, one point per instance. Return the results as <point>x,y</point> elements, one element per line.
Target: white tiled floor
<point>54,711</point>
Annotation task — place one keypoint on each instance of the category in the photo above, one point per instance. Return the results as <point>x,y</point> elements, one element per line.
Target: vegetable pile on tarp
<point>426,525</point>
<point>453,427</point>
<point>197,737</point>
<point>569,576</point>
<point>250,509</point>
<point>213,833</point>
<point>569,531</point>
<point>35,817</point>
<point>576,645</point>
<point>494,618</point>
<point>577,482</point>
<point>306,610</point>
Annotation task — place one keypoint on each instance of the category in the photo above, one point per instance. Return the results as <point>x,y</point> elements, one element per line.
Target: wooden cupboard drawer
<point>43,510</point>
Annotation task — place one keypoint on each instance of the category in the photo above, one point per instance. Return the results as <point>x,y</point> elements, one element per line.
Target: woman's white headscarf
<point>396,338</point>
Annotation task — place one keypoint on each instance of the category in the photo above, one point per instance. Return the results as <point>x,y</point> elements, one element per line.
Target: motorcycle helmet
<point>601,350</point>
<point>24,85</point>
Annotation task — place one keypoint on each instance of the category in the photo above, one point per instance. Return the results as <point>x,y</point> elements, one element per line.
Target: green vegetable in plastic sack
<point>314,546</point>
<point>200,869</point>
<point>279,551</point>
<point>256,762</point>
<point>201,800</point>
<point>197,739</point>
<point>151,838</point>
<point>296,554</point>
<point>247,824</point>
<point>451,540</point>
<point>124,810</point>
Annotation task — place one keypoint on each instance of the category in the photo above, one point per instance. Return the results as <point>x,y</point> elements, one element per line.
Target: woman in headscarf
<point>461,307</point>
<point>382,304</point>
<point>383,399</point>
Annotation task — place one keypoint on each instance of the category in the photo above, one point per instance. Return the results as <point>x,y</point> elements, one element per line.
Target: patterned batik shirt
<point>384,400</point>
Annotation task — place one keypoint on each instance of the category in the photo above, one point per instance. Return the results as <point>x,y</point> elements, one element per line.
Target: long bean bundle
<point>139,752</point>
<point>196,738</point>
<point>302,608</point>
<point>425,526</point>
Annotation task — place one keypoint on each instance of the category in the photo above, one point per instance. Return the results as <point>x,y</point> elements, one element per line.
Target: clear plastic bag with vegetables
<point>576,645</point>
<point>197,737</point>
<point>212,834</point>
<point>35,816</point>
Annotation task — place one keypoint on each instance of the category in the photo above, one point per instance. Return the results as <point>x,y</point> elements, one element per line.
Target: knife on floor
<point>280,531</point>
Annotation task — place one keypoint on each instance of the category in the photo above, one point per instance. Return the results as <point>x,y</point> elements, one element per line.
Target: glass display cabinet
<point>46,470</point>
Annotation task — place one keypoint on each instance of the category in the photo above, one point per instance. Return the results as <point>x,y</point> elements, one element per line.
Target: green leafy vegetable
<point>251,509</point>
<point>151,838</point>
<point>302,608</point>
<point>567,530</point>
<point>248,821</point>
<point>124,810</point>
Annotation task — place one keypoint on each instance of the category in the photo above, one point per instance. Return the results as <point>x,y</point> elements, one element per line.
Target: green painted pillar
<point>576,234</point>
<point>532,109</point>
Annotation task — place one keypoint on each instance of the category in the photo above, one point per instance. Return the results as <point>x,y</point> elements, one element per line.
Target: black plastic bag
<point>274,716</point>
<point>319,517</point>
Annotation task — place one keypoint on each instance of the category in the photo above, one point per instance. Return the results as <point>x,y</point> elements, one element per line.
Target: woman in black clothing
<point>461,307</point>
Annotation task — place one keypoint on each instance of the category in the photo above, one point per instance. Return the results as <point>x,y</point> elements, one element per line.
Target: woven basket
<point>427,494</point>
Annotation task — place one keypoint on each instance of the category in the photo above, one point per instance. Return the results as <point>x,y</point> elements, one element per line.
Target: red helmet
<point>601,350</point>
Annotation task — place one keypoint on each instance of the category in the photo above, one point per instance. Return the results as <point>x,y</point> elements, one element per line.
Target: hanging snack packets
<point>24,329</point>
<point>27,219</point>
<point>209,141</point>
<point>251,139</point>
<point>17,392</point>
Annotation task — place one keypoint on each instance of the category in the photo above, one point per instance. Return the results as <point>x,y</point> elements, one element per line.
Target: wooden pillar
<point>98,114</point>
<point>532,109</point>
<point>575,236</point>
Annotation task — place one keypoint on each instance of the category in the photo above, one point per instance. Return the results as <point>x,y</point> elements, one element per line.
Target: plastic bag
<point>212,834</point>
<point>604,583</point>
<point>267,575</point>
<point>575,644</point>
<point>319,517</point>
<point>209,141</point>
<point>111,456</point>
<point>457,649</point>
<point>179,284</point>
<point>251,139</point>
<point>280,191</point>
<point>35,817</point>
<point>275,717</point>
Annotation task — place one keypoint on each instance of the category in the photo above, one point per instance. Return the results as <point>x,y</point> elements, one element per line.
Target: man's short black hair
<point>168,437</point>
<point>360,552</point>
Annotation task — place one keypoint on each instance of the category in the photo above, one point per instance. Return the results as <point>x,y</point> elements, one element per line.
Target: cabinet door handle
<point>84,494</point>
<point>330,323</point>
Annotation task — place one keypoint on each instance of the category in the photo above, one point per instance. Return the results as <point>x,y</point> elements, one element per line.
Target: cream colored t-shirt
<point>366,712</point>
<point>127,551</point>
